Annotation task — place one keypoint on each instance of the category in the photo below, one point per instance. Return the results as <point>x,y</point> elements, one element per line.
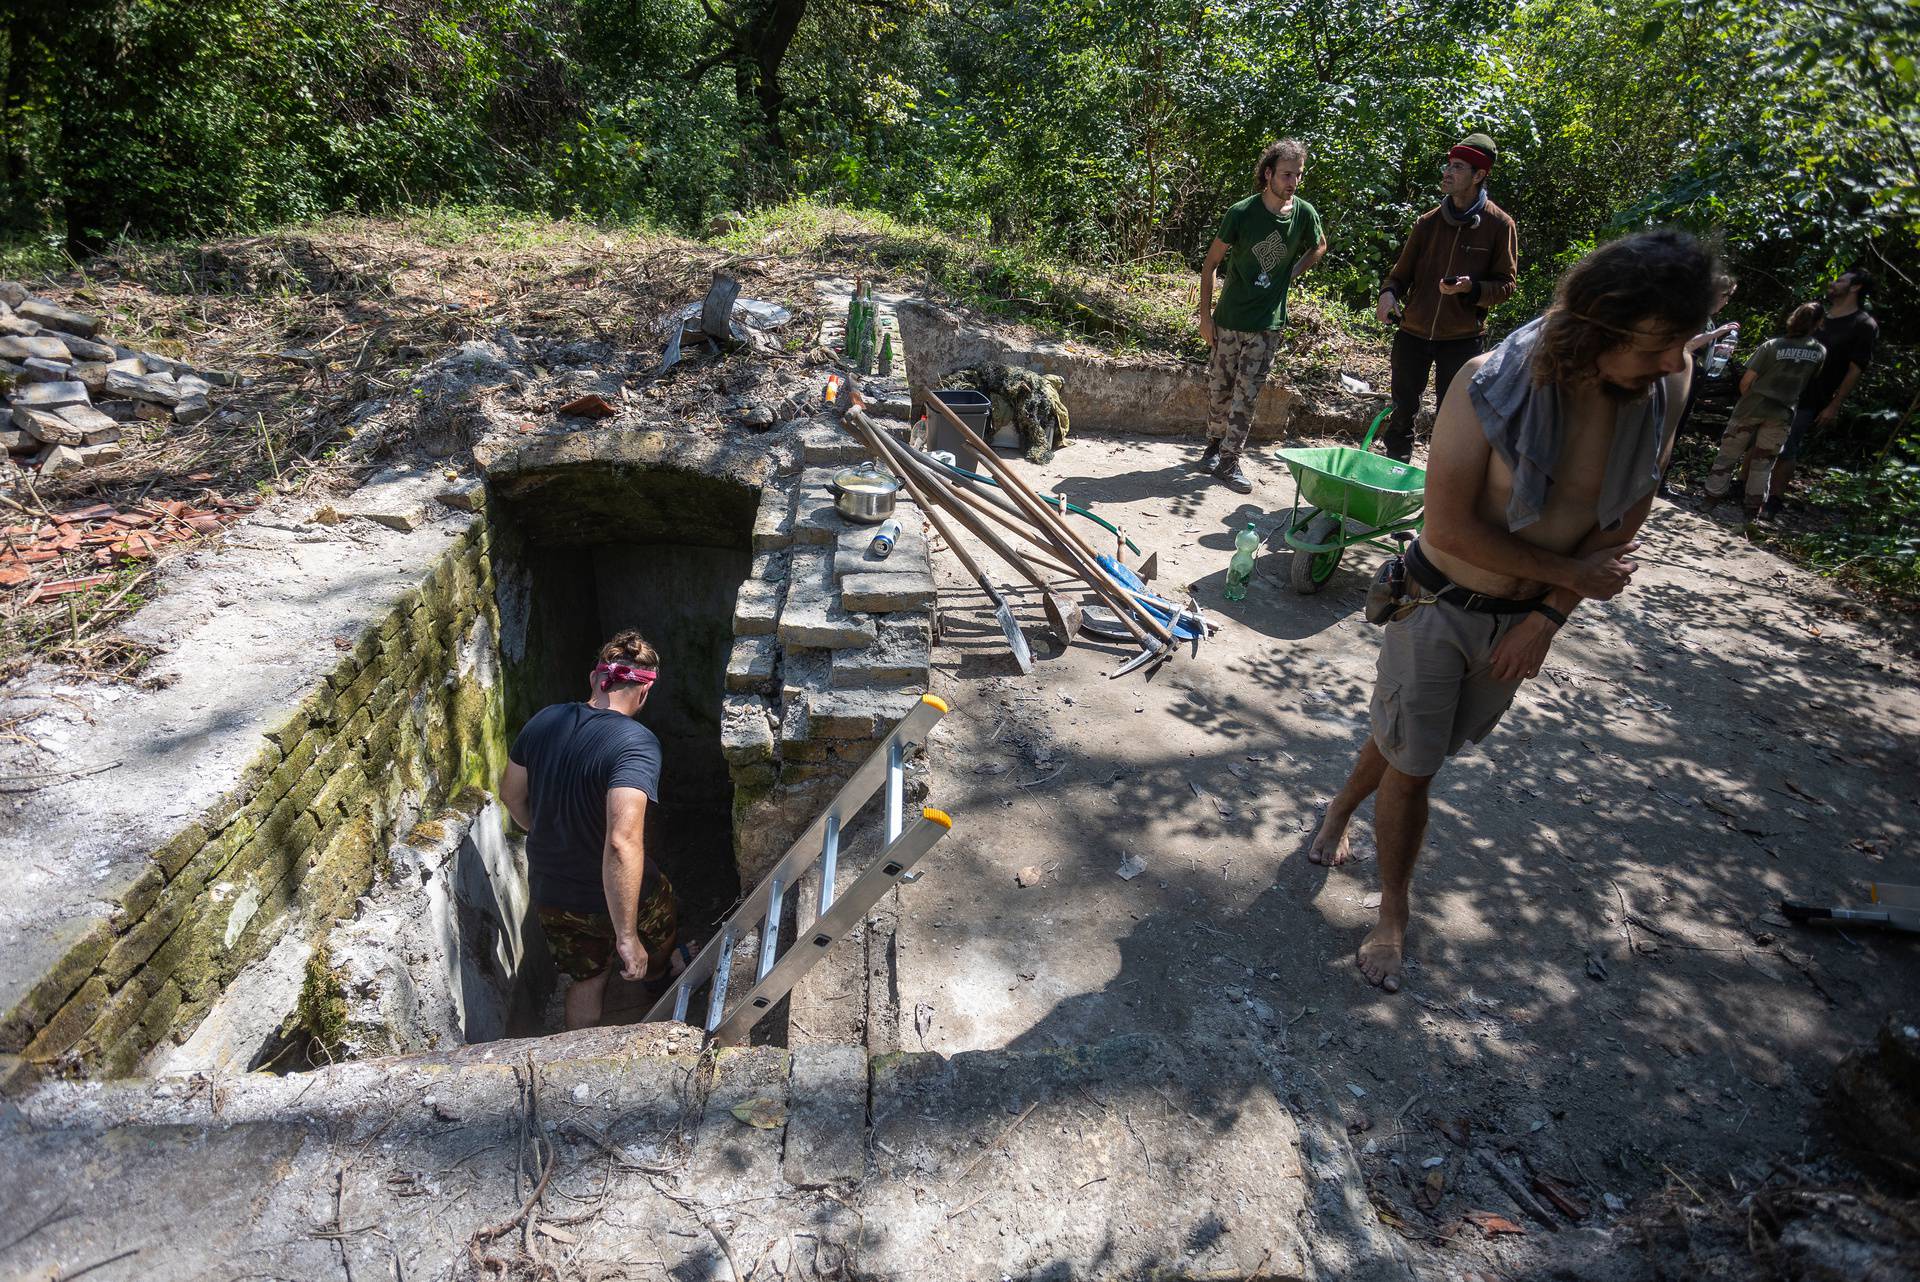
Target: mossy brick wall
<point>412,714</point>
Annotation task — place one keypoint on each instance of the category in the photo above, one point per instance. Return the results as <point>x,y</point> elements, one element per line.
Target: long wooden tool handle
<point>940,493</point>
<point>989,502</point>
<point>860,420</point>
<point>1045,516</point>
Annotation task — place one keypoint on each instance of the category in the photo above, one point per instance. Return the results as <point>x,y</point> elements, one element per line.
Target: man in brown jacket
<point>1459,261</point>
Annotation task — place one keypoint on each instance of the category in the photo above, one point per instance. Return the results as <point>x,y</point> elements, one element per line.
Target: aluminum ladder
<point>776,972</point>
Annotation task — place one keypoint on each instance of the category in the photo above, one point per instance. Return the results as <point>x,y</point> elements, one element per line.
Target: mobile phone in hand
<point>1454,280</point>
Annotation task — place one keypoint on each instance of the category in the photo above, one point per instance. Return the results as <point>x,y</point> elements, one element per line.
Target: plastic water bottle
<point>1722,353</point>
<point>884,538</point>
<point>1240,568</point>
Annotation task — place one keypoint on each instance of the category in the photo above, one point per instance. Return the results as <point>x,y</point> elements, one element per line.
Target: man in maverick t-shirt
<point>579,780</point>
<point>1848,333</point>
<point>1265,243</point>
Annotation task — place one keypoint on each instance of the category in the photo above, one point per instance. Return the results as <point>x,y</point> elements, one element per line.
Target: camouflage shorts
<point>1240,365</point>
<point>582,943</point>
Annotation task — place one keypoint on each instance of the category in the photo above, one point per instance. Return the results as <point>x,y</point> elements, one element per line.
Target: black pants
<point>1412,359</point>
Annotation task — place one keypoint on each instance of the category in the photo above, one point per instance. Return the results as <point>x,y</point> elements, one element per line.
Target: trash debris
<point>1359,1092</point>
<point>1596,969</point>
<point>1358,386</point>
<point>592,405</point>
<point>1428,1196</point>
<point>1028,876</point>
<point>1492,1225</point>
<point>1130,867</point>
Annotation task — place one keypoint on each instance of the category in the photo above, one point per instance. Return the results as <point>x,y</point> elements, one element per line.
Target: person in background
<point>1849,333</point>
<point>1713,377</point>
<point>1776,376</point>
<point>579,779</point>
<point>1459,262</point>
<point>1265,243</point>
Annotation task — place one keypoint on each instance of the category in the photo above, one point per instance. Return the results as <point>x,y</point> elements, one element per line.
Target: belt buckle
<point>1475,601</point>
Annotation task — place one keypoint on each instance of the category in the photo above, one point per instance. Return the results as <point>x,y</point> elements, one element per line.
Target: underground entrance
<point>583,552</point>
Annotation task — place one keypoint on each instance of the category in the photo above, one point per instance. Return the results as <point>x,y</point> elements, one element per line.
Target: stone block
<point>769,565</point>
<point>731,1159</point>
<point>90,941</point>
<point>106,452</point>
<point>54,316</point>
<point>194,409</point>
<point>91,375</point>
<point>886,593</point>
<point>900,657</point>
<point>815,521</point>
<point>23,348</point>
<point>60,460</point>
<point>153,389</point>
<point>46,426</point>
<point>39,370</point>
<point>746,733</point>
<point>85,349</point>
<point>751,665</point>
<point>773,523</point>
<point>827,1122</point>
<point>15,440</point>
<point>49,396</point>
<point>857,714</point>
<point>70,1021</point>
<point>756,610</point>
<point>151,412</point>
<point>795,743</point>
<point>854,555</point>
<point>815,619</point>
<point>185,845</point>
<point>12,326</point>
<point>826,444</point>
<point>13,293</point>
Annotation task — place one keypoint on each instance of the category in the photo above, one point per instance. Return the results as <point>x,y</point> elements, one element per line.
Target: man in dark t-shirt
<point>579,779</point>
<point>1848,333</point>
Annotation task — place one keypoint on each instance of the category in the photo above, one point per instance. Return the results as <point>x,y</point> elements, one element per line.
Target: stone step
<point>1124,1158</point>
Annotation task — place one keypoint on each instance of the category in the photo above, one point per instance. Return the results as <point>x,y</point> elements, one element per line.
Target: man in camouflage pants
<point>1265,243</point>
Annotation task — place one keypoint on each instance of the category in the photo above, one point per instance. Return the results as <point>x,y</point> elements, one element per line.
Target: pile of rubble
<point>69,393</point>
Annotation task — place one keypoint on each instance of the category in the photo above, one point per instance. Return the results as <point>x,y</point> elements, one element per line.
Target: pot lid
<point>865,478</point>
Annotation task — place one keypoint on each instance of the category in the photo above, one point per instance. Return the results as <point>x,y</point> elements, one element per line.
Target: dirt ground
<point>1600,986</point>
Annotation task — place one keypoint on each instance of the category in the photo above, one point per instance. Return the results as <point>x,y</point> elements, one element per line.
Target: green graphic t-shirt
<point>1257,270</point>
<point>1782,368</point>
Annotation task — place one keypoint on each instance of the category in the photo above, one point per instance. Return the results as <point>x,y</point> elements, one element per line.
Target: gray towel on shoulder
<point>1525,427</point>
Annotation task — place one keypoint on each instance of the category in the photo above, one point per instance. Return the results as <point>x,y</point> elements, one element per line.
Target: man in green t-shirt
<point>1265,242</point>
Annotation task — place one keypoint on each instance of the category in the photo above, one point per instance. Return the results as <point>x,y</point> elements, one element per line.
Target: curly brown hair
<point>1804,319</point>
<point>1272,156</point>
<point>629,647</point>
<point>1663,280</point>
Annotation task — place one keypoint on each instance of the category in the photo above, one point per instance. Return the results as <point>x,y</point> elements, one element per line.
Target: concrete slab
<point>240,641</point>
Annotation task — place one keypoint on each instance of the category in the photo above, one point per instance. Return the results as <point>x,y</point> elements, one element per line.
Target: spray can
<point>884,538</point>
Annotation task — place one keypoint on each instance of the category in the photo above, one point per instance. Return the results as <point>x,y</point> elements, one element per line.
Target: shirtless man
<point>1544,461</point>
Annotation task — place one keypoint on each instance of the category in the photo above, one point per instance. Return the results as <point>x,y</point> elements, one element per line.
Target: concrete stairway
<point>1128,1158</point>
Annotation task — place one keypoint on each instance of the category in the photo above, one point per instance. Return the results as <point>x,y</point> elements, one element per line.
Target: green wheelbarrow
<point>1344,497</point>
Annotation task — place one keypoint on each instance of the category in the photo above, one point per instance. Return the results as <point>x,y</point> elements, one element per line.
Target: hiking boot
<point>1228,473</point>
<point>1212,456</point>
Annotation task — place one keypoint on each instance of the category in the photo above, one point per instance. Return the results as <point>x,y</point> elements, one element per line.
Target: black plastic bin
<point>974,409</point>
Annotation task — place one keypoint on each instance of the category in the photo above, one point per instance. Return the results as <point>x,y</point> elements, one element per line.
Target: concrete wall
<point>409,715</point>
<point>1152,397</point>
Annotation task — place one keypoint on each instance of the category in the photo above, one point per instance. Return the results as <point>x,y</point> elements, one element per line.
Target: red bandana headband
<point>1472,155</point>
<point>608,673</point>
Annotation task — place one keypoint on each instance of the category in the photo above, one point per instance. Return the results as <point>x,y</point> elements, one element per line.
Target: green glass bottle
<point>1240,568</point>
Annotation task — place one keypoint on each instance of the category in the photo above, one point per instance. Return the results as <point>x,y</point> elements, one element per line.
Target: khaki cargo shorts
<point>1432,693</point>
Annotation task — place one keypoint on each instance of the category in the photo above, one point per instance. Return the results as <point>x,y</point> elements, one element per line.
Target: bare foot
<point>1380,954</point>
<point>1330,843</point>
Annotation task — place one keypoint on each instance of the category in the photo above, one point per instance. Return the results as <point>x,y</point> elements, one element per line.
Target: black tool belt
<point>1421,571</point>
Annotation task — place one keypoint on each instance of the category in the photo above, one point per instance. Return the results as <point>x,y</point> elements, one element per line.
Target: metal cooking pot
<point>865,493</point>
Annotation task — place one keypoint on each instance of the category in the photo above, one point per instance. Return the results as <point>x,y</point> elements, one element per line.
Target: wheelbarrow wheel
<point>1312,570</point>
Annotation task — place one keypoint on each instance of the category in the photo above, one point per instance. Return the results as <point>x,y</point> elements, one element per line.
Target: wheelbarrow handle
<point>1366,442</point>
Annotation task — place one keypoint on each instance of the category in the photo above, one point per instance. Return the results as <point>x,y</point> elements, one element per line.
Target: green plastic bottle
<point>1240,568</point>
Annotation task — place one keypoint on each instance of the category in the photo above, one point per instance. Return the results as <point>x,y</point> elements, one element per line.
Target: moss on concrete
<point>321,1011</point>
